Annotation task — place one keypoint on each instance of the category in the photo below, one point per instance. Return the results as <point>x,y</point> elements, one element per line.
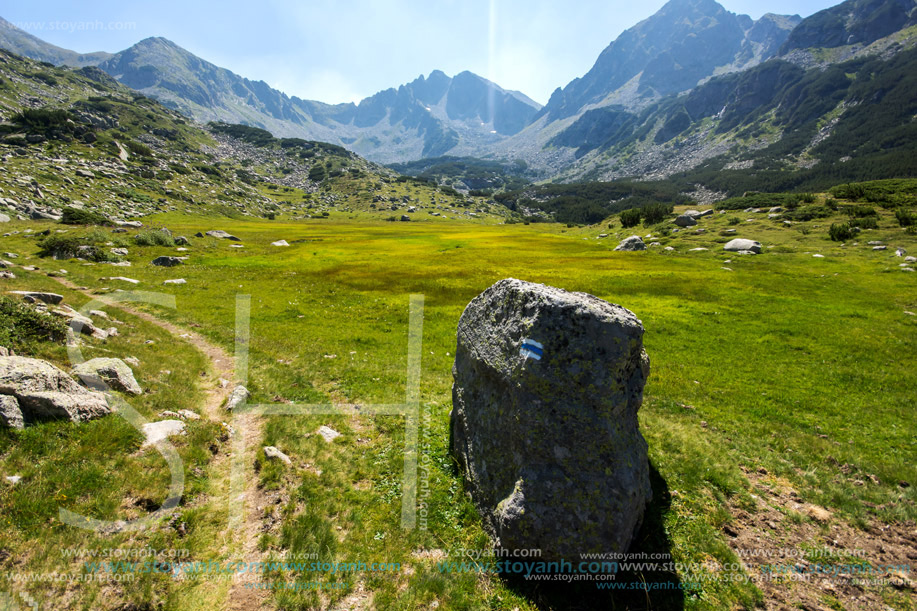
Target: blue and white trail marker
<point>531,349</point>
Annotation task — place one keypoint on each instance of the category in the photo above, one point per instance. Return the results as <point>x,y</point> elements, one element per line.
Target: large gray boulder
<point>44,392</point>
<point>686,220</point>
<point>165,261</point>
<point>741,244</point>
<point>632,243</point>
<point>105,373</point>
<point>547,385</point>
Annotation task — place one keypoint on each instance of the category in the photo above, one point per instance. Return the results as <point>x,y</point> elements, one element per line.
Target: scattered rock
<point>741,244</point>
<point>105,373</point>
<point>405,218</point>
<point>698,249</point>
<point>44,392</point>
<point>85,173</point>
<point>13,479</point>
<point>273,453</point>
<point>175,281</point>
<point>630,244</point>
<point>900,252</point>
<point>219,233</point>
<point>819,256</point>
<point>165,261</point>
<point>685,220</point>
<point>121,279</point>
<point>237,397</point>
<point>910,259</point>
<point>159,431</point>
<point>280,243</point>
<point>182,241</point>
<point>49,298</point>
<point>880,247</point>
<point>187,414</point>
<point>132,361</point>
<point>328,433</point>
<point>544,419</point>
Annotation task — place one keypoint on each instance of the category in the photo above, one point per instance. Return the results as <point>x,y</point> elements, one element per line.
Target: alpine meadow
<point>649,345</point>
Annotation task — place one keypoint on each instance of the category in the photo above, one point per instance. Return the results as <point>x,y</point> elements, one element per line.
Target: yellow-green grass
<point>795,364</point>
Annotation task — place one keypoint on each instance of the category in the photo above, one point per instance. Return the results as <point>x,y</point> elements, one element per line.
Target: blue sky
<point>345,50</point>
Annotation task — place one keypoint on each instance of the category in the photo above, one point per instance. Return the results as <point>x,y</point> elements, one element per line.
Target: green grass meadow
<point>783,361</point>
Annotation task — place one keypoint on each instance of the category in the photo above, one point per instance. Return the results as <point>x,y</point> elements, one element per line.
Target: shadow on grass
<point>657,590</point>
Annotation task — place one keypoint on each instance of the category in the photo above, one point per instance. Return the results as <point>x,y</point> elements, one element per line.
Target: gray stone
<point>685,220</point>
<point>280,243</point>
<point>740,244</point>
<point>85,174</point>
<point>105,373</point>
<point>165,261</point>
<point>548,443</point>
<point>707,212</point>
<point>900,252</point>
<point>10,413</point>
<point>328,433</point>
<point>237,397</point>
<point>175,281</point>
<point>631,243</point>
<point>910,259</point>
<point>273,453</point>
<point>405,218</point>
<point>880,247</point>
<point>182,241</point>
<point>4,218</point>
<point>49,298</point>
<point>162,430</point>
<point>45,392</point>
<point>121,279</point>
<point>219,233</point>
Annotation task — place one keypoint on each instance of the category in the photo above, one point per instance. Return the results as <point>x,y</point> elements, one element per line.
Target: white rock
<point>328,433</point>
<point>175,281</point>
<point>273,453</point>
<point>237,397</point>
<point>158,431</point>
<point>280,243</point>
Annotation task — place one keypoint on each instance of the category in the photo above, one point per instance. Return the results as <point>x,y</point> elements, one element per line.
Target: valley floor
<point>778,412</point>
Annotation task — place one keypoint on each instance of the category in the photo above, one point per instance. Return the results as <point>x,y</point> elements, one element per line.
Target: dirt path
<point>242,544</point>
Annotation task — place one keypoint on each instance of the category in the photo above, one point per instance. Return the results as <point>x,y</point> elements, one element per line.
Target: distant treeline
<point>591,202</point>
<point>482,176</point>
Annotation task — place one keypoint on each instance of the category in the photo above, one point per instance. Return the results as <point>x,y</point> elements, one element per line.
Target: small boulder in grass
<point>328,433</point>
<point>273,453</point>
<point>108,373</point>
<point>237,398</point>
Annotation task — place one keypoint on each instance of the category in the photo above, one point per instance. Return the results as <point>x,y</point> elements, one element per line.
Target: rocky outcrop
<point>44,392</point>
<point>544,419</point>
